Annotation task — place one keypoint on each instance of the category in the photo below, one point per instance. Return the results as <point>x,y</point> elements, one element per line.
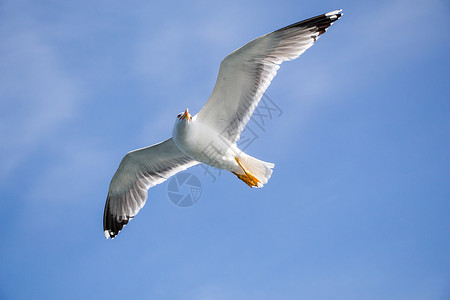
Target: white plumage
<point>210,136</point>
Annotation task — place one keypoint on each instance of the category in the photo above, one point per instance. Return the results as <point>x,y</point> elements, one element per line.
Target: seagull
<point>210,136</point>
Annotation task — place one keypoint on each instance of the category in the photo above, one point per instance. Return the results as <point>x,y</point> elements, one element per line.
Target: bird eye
<point>179,116</point>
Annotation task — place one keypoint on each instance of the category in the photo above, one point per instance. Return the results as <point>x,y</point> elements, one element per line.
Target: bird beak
<point>186,115</point>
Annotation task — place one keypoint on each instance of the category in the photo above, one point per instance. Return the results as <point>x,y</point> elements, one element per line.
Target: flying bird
<point>210,136</point>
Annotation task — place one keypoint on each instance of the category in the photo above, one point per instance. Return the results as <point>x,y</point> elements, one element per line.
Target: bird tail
<point>256,172</point>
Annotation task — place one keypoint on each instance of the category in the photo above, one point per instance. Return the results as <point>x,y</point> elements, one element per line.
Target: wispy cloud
<point>81,166</point>
<point>37,94</point>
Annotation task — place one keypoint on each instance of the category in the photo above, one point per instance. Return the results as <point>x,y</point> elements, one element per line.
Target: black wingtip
<point>324,21</point>
<point>111,225</point>
<point>319,23</point>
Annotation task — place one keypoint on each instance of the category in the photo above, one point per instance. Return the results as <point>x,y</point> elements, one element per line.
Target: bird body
<point>214,150</point>
<point>210,136</point>
<point>204,144</point>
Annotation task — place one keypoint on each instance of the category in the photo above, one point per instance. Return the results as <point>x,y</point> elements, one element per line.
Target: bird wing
<point>138,171</point>
<point>246,73</point>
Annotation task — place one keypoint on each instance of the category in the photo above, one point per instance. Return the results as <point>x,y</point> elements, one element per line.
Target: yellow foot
<point>248,177</point>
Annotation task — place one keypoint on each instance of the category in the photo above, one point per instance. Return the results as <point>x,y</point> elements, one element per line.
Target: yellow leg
<point>248,177</point>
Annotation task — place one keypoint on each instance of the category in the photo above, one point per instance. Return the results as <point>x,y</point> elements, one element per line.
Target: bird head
<point>184,116</point>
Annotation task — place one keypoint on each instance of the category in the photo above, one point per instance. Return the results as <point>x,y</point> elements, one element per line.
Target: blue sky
<point>358,205</point>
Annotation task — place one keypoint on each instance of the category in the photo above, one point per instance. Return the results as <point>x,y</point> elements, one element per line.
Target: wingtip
<point>118,225</point>
<point>112,224</point>
<point>334,12</point>
<point>334,15</point>
<point>111,234</point>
